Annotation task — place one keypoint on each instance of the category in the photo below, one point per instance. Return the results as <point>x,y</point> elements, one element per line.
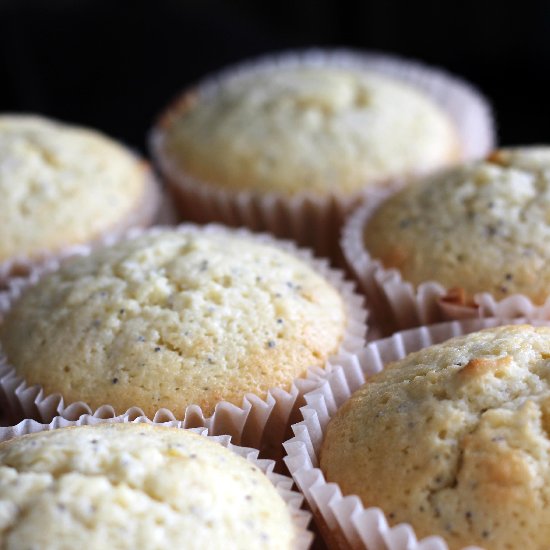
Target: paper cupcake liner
<point>167,213</point>
<point>344,520</point>
<point>260,423</point>
<point>283,484</point>
<point>308,218</point>
<point>395,304</point>
<point>142,215</point>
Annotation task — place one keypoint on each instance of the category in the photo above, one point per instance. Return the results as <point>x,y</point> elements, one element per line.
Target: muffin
<point>478,229</point>
<point>179,317</point>
<point>278,143</point>
<point>135,486</point>
<point>63,186</point>
<point>453,439</point>
<point>344,521</point>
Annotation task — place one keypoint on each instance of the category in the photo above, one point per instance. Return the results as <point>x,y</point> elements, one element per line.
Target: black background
<point>114,64</point>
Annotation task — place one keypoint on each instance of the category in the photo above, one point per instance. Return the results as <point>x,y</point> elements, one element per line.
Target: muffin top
<point>135,486</point>
<point>483,227</point>
<point>174,318</point>
<point>308,129</point>
<point>62,185</point>
<point>454,439</point>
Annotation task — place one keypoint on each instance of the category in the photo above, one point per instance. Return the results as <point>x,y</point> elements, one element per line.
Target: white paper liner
<point>167,213</point>
<point>395,304</point>
<point>308,218</point>
<point>143,215</point>
<point>344,520</point>
<point>259,423</point>
<point>283,484</point>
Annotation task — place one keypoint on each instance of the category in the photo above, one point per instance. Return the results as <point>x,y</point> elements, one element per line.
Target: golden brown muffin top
<point>127,486</point>
<point>289,130</point>
<point>483,227</point>
<point>62,185</point>
<point>174,318</point>
<point>454,439</point>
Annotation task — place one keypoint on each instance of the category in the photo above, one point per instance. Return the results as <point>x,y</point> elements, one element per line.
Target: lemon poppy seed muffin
<point>479,228</point>
<point>309,129</point>
<point>135,486</point>
<point>61,185</point>
<point>174,318</point>
<point>453,439</point>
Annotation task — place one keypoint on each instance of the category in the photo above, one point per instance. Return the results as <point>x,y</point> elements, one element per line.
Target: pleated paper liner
<point>308,218</point>
<point>283,484</point>
<point>143,215</point>
<point>396,304</point>
<point>257,422</point>
<point>167,213</point>
<point>343,520</point>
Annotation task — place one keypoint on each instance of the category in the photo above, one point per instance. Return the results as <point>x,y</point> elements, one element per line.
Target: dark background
<point>114,64</point>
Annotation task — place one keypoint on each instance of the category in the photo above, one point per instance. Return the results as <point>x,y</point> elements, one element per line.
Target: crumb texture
<point>310,129</point>
<point>454,439</point>
<point>61,185</point>
<point>125,486</point>
<point>173,319</point>
<point>480,228</point>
